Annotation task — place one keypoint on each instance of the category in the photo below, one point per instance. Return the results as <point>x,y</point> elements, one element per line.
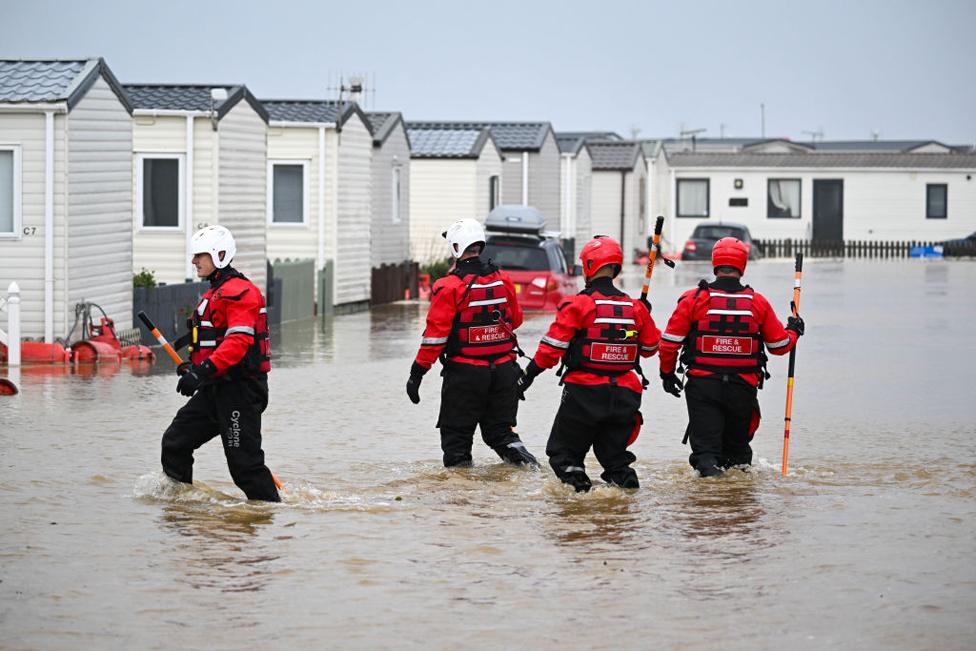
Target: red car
<point>535,260</point>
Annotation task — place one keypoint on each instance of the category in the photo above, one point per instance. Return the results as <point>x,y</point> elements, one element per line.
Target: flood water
<point>868,543</point>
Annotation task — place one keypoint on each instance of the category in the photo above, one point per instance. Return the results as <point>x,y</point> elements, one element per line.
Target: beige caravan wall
<point>352,276</point>
<point>391,239</point>
<point>99,223</point>
<point>242,189</point>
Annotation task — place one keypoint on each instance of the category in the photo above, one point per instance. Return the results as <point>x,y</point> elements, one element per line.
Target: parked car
<point>960,246</point>
<point>519,244</point>
<point>703,238</point>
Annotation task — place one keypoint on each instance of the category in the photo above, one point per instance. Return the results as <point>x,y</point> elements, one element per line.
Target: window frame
<point>396,190</point>
<point>138,213</point>
<point>799,206</point>
<point>16,181</point>
<point>708,197</point>
<point>494,191</point>
<point>305,164</point>
<point>945,203</point>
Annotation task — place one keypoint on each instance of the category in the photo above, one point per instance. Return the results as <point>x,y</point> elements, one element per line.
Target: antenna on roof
<point>815,135</point>
<point>357,87</point>
<point>634,131</point>
<point>875,136</point>
<point>694,135</point>
<point>721,130</point>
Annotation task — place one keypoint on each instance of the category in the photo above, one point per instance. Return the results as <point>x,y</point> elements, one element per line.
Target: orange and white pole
<point>795,306</point>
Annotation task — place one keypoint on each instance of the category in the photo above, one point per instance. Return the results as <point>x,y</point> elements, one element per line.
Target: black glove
<point>183,368</point>
<point>671,383</point>
<point>526,378</point>
<point>413,384</point>
<point>194,377</point>
<point>795,323</point>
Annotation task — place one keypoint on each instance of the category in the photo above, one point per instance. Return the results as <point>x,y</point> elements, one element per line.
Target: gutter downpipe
<point>188,195</point>
<point>525,178</point>
<point>321,196</point>
<point>623,205</point>
<point>49,226</point>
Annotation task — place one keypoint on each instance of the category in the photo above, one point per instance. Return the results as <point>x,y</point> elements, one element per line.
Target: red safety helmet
<point>599,252</point>
<point>730,252</point>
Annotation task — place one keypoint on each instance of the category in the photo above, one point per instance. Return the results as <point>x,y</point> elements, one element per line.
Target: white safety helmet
<point>214,240</point>
<point>462,234</point>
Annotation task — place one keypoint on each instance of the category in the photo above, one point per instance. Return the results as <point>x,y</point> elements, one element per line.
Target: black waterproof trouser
<point>720,409</point>
<point>483,396</point>
<point>602,416</point>
<point>232,410</point>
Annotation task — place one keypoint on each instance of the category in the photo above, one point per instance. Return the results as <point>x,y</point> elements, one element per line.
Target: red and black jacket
<point>600,334</point>
<point>473,316</point>
<point>724,328</point>
<point>230,327</point>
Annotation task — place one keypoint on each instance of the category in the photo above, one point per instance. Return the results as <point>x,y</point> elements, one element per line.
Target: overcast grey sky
<point>903,69</point>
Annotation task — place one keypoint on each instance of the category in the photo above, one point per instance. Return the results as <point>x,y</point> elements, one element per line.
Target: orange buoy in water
<point>38,352</point>
<point>7,387</point>
<point>138,352</point>
<point>89,351</point>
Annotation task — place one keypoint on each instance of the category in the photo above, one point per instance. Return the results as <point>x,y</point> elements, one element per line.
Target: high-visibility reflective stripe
<point>555,343</point>
<point>779,344</point>
<point>433,341</point>
<point>263,310</point>
<point>649,349</point>
<point>607,302</point>
<point>202,307</point>
<point>609,320</point>
<point>487,285</point>
<point>731,312</point>
<point>717,295</point>
<point>206,324</point>
<point>574,469</point>
<point>206,344</point>
<point>247,330</point>
<point>490,301</point>
<point>674,338</point>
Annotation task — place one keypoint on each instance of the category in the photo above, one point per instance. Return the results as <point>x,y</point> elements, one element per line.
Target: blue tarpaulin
<point>925,252</point>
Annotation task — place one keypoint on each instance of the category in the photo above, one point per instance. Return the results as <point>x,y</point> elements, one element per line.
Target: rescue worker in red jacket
<point>723,327</point>
<point>471,327</point>
<point>600,334</point>
<point>227,375</point>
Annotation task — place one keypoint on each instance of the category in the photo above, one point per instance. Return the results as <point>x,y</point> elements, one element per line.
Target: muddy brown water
<point>868,543</point>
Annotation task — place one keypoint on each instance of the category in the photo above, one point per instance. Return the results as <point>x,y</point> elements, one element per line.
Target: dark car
<point>960,246</point>
<point>518,243</point>
<point>703,238</point>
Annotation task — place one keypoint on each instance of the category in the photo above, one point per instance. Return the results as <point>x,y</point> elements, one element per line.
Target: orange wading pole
<point>795,306</point>
<point>175,356</point>
<point>652,254</point>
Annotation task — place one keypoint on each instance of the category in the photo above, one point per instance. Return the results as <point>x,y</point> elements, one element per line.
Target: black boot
<point>516,453</point>
<point>710,470</point>
<point>578,480</point>
<point>624,478</point>
<point>453,460</point>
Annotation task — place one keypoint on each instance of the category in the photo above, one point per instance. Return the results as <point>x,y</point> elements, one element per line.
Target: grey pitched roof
<point>315,110</point>
<point>855,146</point>
<point>40,81</point>
<point>443,142</point>
<point>191,97</point>
<point>509,136</point>
<point>876,160</point>
<point>383,123</point>
<point>614,154</point>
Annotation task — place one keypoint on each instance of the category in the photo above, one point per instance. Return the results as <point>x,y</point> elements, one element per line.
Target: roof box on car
<point>512,218</point>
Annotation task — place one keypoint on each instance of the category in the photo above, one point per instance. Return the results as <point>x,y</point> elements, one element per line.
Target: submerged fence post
<point>13,324</point>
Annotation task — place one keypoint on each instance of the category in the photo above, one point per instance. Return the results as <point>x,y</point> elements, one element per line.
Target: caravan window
<point>692,198</point>
<point>9,191</point>
<point>396,194</point>
<point>159,187</point>
<point>783,199</point>
<point>936,201</point>
<point>288,196</point>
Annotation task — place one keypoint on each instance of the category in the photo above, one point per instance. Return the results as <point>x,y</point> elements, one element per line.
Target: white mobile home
<point>319,180</point>
<point>391,189</point>
<point>198,159</point>
<point>531,170</point>
<point>65,191</point>
<point>824,196</point>
<point>455,172</point>
<point>619,192</point>
<point>576,179</point>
